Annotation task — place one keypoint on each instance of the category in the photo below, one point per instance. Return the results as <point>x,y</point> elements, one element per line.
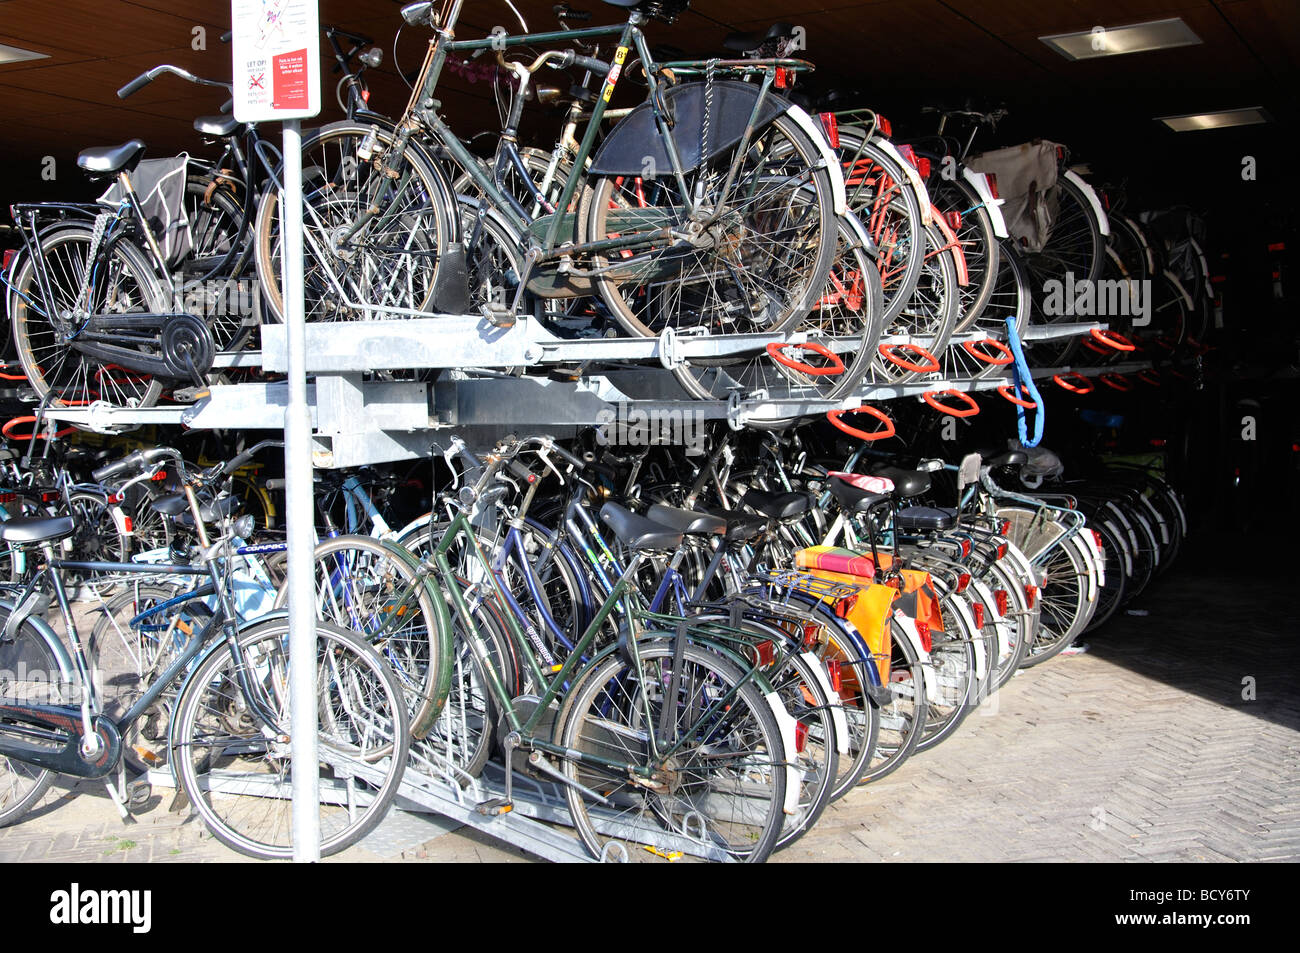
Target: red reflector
<point>965,547</point>
<point>884,126</point>
<point>159,476</point>
<point>49,497</point>
<point>1096,540</point>
<point>127,525</point>
<point>909,154</point>
<point>810,632</point>
<point>831,127</point>
<point>1295,448</point>
<point>780,81</point>
<point>963,581</point>
<point>766,652</point>
<point>833,670</point>
<point>1276,246</point>
<point>978,609</point>
<point>1003,599</point>
<point>800,735</point>
<point>9,257</point>
<point>923,630</point>
<point>953,219</point>
<point>993,184</point>
<point>923,166</point>
<point>845,606</point>
<point>115,498</point>
<point>1002,550</point>
<point>365,96</point>
<point>8,497</point>
<point>1031,594</point>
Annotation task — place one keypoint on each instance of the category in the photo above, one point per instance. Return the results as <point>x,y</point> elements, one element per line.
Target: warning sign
<point>276,51</point>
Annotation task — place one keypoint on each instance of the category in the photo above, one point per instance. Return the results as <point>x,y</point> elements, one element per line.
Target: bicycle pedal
<point>186,394</point>
<point>500,316</point>
<point>494,807</point>
<point>148,756</point>
<point>138,793</point>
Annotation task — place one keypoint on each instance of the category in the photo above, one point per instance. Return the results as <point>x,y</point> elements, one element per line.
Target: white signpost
<point>276,51</point>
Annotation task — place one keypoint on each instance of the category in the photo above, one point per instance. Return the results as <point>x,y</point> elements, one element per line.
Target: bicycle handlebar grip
<point>238,461</point>
<point>132,461</point>
<point>590,63</point>
<point>137,84</point>
<point>521,471</point>
<point>566,456</point>
<point>275,484</point>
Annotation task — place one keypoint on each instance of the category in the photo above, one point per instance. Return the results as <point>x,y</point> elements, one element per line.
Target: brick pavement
<point>1144,749</point>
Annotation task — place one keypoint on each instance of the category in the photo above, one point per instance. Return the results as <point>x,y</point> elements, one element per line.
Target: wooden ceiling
<point>898,54</point>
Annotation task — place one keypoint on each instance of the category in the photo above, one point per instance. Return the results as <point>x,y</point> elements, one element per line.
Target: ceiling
<point>895,54</point>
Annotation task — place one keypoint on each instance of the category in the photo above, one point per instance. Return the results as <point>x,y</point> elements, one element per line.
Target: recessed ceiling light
<point>1221,120</point>
<point>1114,41</point>
<point>13,54</point>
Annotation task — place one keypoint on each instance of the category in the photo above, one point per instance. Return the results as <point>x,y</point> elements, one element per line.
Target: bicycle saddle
<point>687,522</point>
<point>906,482</point>
<point>112,159</point>
<point>220,126</point>
<point>744,42</point>
<point>742,526</point>
<point>637,532</point>
<point>777,506</point>
<point>36,529</point>
<point>1012,458</point>
<point>925,519</point>
<point>852,498</point>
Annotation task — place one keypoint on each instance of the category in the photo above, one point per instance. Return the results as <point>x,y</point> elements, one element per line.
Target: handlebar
<point>234,463</point>
<point>148,76</point>
<point>139,460</point>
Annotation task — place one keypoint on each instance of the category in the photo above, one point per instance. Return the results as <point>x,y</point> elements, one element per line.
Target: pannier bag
<point>1026,177</point>
<point>160,186</point>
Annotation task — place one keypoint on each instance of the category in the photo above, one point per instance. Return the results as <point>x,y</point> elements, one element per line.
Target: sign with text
<point>276,50</point>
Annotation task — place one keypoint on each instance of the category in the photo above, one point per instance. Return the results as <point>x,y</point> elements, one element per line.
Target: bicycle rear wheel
<point>28,672</point>
<point>123,283</point>
<point>719,788</point>
<point>238,779</point>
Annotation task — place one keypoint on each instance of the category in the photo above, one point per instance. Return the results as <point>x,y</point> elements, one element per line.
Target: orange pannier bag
<point>869,610</point>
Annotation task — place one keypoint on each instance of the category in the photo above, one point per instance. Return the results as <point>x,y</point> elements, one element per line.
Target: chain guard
<point>185,335</point>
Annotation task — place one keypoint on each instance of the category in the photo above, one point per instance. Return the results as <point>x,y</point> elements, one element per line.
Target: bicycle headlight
<point>243,527</point>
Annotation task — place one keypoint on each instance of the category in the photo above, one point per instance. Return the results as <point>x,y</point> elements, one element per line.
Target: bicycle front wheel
<point>387,264</point>
<point>712,784</point>
<point>761,249</point>
<point>236,771</point>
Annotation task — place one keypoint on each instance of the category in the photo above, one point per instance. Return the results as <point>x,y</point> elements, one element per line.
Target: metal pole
<point>302,540</point>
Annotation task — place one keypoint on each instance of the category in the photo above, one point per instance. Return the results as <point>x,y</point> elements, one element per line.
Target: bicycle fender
<point>1091,196</point>
<point>634,146</point>
<point>793,774</point>
<point>838,717</point>
<point>861,234</point>
<point>914,177</point>
<point>832,161</point>
<point>66,668</point>
<point>980,183</point>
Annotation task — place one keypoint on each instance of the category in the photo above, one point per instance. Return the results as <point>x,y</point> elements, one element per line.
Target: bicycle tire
<point>788,205</point>
<point>239,782</point>
<point>23,785</point>
<point>903,722</point>
<point>397,267</point>
<point>744,741</point>
<point>57,371</point>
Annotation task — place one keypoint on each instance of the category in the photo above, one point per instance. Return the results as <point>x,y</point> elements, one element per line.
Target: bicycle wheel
<point>29,672</point>
<point>1064,601</point>
<point>719,788</point>
<point>845,322</point>
<point>238,779</point>
<point>902,720</point>
<point>930,313</point>
<point>364,586</point>
<point>880,193</point>
<point>123,283</point>
<point>952,683</point>
<point>979,245</point>
<point>1014,628</point>
<point>98,538</point>
<point>211,273</point>
<point>1112,594</point>
<point>389,263</point>
<point>760,255</point>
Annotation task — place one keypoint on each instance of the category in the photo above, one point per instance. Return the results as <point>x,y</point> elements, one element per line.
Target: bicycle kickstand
<point>116,785</point>
<point>496,806</point>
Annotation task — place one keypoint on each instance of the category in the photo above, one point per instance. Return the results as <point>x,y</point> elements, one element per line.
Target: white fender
<point>980,183</point>
<point>861,234</point>
<point>907,625</point>
<point>793,774</point>
<point>838,718</point>
<point>918,185</point>
<point>1091,196</point>
<point>814,131</point>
